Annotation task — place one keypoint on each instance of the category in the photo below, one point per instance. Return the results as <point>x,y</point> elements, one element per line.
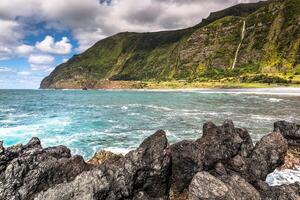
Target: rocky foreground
<point>221,165</point>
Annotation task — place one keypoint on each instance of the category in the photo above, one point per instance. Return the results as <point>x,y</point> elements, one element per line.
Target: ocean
<point>89,121</point>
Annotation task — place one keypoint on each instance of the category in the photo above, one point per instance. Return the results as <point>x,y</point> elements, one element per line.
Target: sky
<point>38,35</point>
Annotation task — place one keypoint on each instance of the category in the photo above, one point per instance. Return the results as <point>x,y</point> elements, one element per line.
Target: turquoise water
<point>87,121</point>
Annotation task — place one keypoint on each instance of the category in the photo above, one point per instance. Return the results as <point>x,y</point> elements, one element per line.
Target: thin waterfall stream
<point>240,44</point>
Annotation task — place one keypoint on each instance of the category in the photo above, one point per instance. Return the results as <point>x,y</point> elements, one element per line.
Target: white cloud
<point>6,69</point>
<point>48,45</point>
<point>9,37</point>
<point>40,62</point>
<point>40,59</point>
<point>37,67</point>
<point>24,73</point>
<point>24,50</point>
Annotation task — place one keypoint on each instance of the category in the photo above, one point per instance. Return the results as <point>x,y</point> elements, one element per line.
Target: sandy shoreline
<point>288,91</point>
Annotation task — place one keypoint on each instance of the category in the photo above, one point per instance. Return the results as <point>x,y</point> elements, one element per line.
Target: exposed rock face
<point>102,157</point>
<point>218,144</point>
<point>29,169</point>
<point>204,186</point>
<point>290,131</point>
<point>141,174</point>
<point>267,155</point>
<point>222,165</point>
<point>284,192</point>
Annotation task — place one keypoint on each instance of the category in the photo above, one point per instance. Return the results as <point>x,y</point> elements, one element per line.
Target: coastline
<point>291,90</point>
<point>168,85</point>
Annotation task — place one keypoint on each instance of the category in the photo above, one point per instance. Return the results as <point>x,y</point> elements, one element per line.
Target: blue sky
<point>38,35</point>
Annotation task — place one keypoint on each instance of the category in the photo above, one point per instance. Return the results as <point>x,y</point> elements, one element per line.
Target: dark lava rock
<point>283,192</point>
<point>290,131</point>
<point>141,174</point>
<point>218,144</point>
<point>186,162</point>
<point>267,155</point>
<point>205,186</point>
<point>29,169</point>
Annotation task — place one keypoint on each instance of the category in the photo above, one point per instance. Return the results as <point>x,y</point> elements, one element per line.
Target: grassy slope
<point>199,54</point>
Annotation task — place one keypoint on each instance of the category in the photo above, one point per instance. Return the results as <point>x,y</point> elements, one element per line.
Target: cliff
<point>247,39</point>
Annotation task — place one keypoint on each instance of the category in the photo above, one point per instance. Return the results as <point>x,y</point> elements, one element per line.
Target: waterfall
<point>240,44</point>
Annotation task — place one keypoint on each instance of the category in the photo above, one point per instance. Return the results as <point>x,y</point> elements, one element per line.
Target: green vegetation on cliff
<point>269,52</point>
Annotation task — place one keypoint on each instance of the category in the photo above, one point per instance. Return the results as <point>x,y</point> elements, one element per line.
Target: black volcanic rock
<point>290,131</point>
<point>186,162</point>
<point>267,155</point>
<point>29,169</point>
<point>141,174</point>
<point>218,144</point>
<point>223,165</point>
<point>205,186</point>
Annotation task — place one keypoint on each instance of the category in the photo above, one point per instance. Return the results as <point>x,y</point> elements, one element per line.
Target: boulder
<point>29,169</point>
<point>290,131</point>
<point>205,186</point>
<point>283,192</point>
<point>218,144</point>
<point>141,174</point>
<point>186,162</point>
<point>268,154</point>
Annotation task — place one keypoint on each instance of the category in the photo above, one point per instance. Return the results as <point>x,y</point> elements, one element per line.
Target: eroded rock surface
<point>290,131</point>
<point>102,157</point>
<point>141,174</point>
<point>26,170</point>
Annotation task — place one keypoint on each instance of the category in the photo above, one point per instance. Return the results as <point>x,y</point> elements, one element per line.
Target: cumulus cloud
<point>40,59</point>
<point>48,45</point>
<point>9,37</point>
<point>24,49</point>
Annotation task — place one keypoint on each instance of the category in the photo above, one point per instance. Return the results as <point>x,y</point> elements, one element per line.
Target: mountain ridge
<point>203,52</point>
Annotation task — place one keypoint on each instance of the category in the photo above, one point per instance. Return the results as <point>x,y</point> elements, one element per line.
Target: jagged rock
<point>217,144</point>
<point>267,155</point>
<point>27,170</point>
<point>283,192</point>
<point>104,157</point>
<point>141,174</point>
<point>205,186</point>
<point>223,142</point>
<point>186,162</point>
<point>240,188</point>
<point>290,131</point>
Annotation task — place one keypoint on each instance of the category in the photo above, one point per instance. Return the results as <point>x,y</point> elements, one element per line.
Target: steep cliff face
<point>262,38</point>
